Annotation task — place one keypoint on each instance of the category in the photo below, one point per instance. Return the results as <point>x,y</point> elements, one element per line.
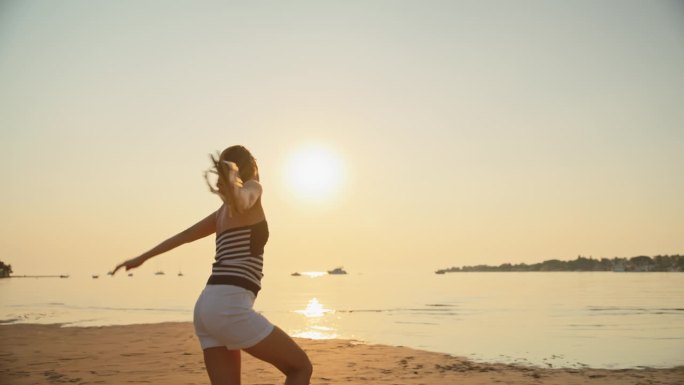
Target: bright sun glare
<point>314,173</point>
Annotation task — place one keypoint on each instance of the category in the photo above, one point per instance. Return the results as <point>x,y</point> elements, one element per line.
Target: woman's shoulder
<point>226,219</point>
<point>254,191</point>
<point>252,183</point>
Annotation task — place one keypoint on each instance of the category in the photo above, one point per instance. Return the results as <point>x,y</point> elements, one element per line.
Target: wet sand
<point>168,353</point>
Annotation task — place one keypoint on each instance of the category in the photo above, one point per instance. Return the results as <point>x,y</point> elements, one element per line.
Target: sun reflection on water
<point>317,325</point>
<point>314,309</point>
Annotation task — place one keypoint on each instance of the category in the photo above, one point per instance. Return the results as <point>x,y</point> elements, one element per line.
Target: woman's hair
<point>245,161</point>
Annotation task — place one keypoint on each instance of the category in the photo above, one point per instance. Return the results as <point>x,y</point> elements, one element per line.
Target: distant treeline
<point>5,270</point>
<point>641,263</point>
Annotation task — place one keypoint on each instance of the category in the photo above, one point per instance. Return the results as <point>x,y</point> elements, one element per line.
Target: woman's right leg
<point>223,365</point>
<point>281,351</point>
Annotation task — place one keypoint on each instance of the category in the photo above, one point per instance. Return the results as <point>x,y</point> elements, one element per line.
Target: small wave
<point>440,311</point>
<point>619,310</point>
<point>362,311</point>
<point>428,310</point>
<point>656,338</point>
<point>127,309</point>
<point>589,325</point>
<point>415,323</point>
<point>163,310</point>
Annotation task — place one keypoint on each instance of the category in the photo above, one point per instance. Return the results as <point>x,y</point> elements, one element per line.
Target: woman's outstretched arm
<point>201,229</point>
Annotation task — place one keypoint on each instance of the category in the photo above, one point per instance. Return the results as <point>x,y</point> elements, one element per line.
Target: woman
<point>225,322</point>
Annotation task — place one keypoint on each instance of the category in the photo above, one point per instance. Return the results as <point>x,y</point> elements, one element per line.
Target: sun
<point>314,173</point>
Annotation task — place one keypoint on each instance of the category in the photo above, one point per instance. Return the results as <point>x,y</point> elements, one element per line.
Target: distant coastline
<point>642,263</point>
<point>38,276</point>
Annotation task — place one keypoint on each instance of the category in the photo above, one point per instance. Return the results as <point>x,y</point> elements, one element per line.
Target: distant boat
<point>96,276</point>
<point>337,271</point>
<point>63,276</point>
<point>180,274</point>
<point>296,274</point>
<point>159,273</point>
<point>130,274</point>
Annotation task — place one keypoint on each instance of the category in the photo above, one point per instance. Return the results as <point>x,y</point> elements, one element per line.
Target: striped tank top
<point>239,257</point>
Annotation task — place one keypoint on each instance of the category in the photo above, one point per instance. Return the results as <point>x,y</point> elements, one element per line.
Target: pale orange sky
<point>468,132</point>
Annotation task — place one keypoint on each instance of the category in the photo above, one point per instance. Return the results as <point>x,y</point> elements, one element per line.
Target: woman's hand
<point>233,173</point>
<point>130,264</point>
<point>229,184</point>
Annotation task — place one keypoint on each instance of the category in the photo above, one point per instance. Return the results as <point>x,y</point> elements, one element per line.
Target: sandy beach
<point>168,353</point>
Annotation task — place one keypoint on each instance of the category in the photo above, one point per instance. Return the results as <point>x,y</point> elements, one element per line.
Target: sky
<point>453,132</point>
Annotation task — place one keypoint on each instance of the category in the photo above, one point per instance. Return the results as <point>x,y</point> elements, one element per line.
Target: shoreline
<point>515,362</point>
<point>169,353</point>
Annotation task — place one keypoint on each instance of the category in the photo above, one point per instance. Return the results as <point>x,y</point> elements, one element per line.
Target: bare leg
<point>279,350</point>
<point>223,365</point>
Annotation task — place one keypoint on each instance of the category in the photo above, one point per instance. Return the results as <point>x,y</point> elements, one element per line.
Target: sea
<point>545,319</point>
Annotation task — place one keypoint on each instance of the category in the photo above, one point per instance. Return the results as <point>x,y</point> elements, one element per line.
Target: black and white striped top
<point>239,257</point>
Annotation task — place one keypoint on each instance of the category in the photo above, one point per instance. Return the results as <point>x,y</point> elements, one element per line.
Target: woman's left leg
<point>223,365</point>
<point>281,351</point>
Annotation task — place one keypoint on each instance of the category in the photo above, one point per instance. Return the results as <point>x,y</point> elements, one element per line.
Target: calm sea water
<point>607,320</point>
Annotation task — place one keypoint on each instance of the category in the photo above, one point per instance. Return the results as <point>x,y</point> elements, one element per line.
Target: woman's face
<point>226,170</point>
<point>221,186</point>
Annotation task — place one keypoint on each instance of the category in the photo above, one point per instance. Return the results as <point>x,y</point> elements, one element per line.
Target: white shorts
<point>224,317</point>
